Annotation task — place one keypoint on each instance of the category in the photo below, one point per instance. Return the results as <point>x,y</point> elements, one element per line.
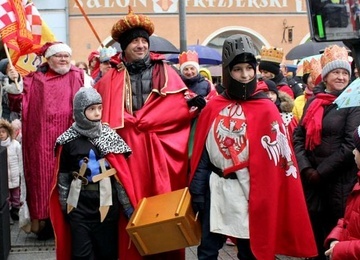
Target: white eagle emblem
<point>279,148</point>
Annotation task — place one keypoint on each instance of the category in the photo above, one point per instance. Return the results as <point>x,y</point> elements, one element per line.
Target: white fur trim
<point>187,63</point>
<point>59,47</point>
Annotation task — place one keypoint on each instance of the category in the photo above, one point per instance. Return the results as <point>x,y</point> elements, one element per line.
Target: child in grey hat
<point>87,187</point>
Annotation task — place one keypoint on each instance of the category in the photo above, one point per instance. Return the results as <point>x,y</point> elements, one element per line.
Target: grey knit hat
<point>335,64</point>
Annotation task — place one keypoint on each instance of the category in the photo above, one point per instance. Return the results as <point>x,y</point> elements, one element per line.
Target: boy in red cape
<point>244,178</point>
<point>90,186</point>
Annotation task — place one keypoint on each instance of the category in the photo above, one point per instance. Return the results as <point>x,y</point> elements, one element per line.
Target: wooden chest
<point>164,223</point>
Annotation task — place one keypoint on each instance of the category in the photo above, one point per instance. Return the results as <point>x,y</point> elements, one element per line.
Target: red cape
<point>157,134</point>
<point>279,222</point>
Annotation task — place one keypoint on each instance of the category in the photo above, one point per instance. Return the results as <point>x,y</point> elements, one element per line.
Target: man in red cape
<point>143,99</point>
<point>241,153</point>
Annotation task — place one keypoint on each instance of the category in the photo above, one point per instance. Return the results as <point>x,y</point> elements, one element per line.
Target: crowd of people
<point>269,161</point>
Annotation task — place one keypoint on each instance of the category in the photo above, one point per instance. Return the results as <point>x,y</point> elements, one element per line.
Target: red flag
<point>15,30</point>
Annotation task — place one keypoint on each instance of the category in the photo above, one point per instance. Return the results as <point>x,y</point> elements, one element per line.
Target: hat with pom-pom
<point>51,48</point>
<point>130,27</point>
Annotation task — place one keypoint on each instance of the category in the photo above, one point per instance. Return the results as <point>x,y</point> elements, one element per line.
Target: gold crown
<point>315,69</point>
<point>272,54</point>
<point>306,67</point>
<point>334,52</point>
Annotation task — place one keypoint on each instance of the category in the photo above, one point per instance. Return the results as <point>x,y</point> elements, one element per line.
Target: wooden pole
<point>10,62</point>
<point>89,22</point>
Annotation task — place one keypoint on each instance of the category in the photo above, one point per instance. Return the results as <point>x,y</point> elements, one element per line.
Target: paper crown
<point>315,69</point>
<point>272,54</point>
<point>332,53</point>
<point>131,21</point>
<point>106,53</point>
<point>188,56</point>
<point>306,67</point>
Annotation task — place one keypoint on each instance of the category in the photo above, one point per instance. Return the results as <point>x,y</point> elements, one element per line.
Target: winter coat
<point>15,162</point>
<point>347,230</point>
<point>8,86</point>
<point>332,158</point>
<point>199,85</point>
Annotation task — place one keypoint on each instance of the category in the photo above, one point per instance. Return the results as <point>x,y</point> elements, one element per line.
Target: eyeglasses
<point>61,56</point>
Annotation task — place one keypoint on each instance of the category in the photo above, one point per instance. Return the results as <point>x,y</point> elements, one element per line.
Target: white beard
<point>62,71</point>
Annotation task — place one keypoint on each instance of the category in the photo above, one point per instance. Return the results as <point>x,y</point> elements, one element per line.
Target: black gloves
<point>198,101</point>
<point>311,176</point>
<point>198,204</point>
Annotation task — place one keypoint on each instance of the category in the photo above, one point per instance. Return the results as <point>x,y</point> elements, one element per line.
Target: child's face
<point>271,95</point>
<point>94,112</point>
<point>3,134</point>
<point>357,157</point>
<point>243,72</point>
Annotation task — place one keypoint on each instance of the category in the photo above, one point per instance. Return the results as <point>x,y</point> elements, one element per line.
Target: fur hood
<point>286,102</point>
<point>8,127</point>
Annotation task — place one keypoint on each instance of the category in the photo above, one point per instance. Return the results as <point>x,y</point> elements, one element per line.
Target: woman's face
<point>243,72</point>
<point>265,75</point>
<point>337,80</point>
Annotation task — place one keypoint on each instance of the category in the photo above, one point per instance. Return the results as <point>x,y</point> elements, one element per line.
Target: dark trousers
<point>94,240</point>
<point>211,242</point>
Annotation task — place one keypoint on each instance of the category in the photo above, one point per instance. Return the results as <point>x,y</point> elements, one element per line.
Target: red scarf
<point>313,119</point>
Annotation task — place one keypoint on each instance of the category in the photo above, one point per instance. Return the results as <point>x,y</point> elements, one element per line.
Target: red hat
<point>51,48</point>
<point>92,55</point>
<point>189,58</point>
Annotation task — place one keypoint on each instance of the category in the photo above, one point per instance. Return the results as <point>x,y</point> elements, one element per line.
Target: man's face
<point>60,62</point>
<point>190,71</point>
<point>137,49</point>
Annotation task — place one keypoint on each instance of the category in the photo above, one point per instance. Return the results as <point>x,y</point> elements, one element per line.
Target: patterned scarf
<point>313,119</point>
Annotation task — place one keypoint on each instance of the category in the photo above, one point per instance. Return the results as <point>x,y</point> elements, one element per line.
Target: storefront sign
<point>100,7</point>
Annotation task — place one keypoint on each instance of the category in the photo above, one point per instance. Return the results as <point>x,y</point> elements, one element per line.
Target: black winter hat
<point>130,35</point>
<point>271,86</point>
<point>272,67</point>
